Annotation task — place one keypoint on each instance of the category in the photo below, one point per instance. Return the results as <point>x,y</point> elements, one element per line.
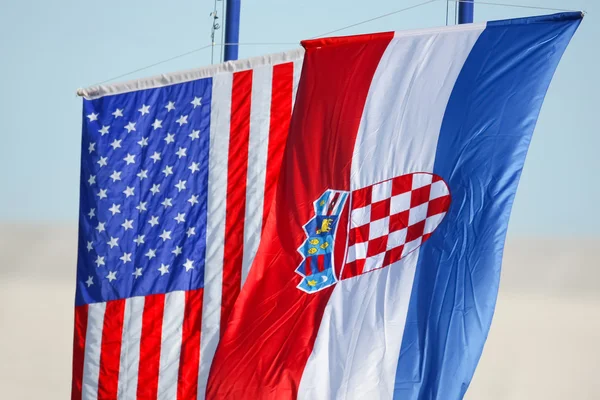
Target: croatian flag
<point>178,173</point>
<point>378,270</point>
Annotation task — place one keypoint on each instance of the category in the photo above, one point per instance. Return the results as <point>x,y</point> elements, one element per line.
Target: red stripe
<point>110,350</point>
<point>81,319</point>
<point>150,341</point>
<point>307,267</point>
<point>189,360</point>
<point>281,111</point>
<point>321,263</point>
<point>274,325</point>
<point>237,172</point>
<point>357,42</point>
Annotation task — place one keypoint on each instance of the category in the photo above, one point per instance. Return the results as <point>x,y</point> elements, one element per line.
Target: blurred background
<point>543,343</point>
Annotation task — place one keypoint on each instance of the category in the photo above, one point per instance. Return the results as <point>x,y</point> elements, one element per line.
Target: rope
<point>375,18</point>
<point>477,2</point>
<point>191,52</point>
<point>337,30</point>
<point>155,64</point>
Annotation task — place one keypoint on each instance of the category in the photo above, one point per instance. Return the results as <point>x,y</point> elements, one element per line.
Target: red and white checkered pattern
<point>392,218</point>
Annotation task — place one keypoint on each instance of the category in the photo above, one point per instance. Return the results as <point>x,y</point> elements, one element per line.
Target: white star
<point>167,171</point>
<point>102,161</point>
<point>118,113</point>
<point>165,235</point>
<point>130,127</point>
<point>151,254</point>
<point>193,200</point>
<point>128,191</point>
<point>155,156</point>
<point>170,106</point>
<point>115,209</point>
<point>153,221</point>
<point>128,224</point>
<point>113,242</point>
<point>143,142</point>
<point>167,203</point>
<point>139,240</point>
<point>155,188</point>
<point>194,167</point>
<point>92,213</point>
<point>164,269</point>
<point>100,227</point>
<point>130,159</point>
<point>197,101</point>
<point>182,120</point>
<point>115,176</point>
<point>180,185</point>
<point>104,130</point>
<point>157,124</point>
<point>92,147</point>
<point>93,117</point>
<point>99,261</point>
<point>177,251</point>
<point>170,138</point>
<point>180,218</point>
<point>89,246</point>
<point>90,281</point>
<point>102,194</point>
<point>142,206</point>
<point>143,174</point>
<point>112,275</point>
<point>191,231</point>
<point>125,258</point>
<point>181,152</point>
<point>194,135</point>
<point>189,264</point>
<point>116,144</point>
<point>145,109</point>
<point>92,179</point>
<point>137,273</point>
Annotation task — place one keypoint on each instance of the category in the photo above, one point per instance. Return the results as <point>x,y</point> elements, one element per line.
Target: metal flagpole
<point>465,11</point>
<point>232,29</point>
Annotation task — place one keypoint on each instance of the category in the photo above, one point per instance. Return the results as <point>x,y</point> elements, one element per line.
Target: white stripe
<point>358,336</point>
<point>260,114</point>
<point>130,348</point>
<point>406,104</point>
<point>170,346</point>
<point>215,229</point>
<point>297,73</point>
<point>328,201</point>
<point>93,344</point>
<point>357,348</point>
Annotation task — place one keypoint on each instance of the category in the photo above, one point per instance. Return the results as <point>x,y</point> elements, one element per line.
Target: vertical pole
<point>232,29</point>
<point>465,11</point>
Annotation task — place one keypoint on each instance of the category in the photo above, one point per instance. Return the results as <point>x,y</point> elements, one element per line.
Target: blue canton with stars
<point>143,195</point>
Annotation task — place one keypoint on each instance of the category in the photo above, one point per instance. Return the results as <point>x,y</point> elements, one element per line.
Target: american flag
<point>177,176</point>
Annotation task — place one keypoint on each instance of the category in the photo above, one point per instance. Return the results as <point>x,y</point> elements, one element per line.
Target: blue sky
<point>49,49</point>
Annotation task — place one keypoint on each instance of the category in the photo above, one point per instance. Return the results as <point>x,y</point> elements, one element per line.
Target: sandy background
<point>544,342</point>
